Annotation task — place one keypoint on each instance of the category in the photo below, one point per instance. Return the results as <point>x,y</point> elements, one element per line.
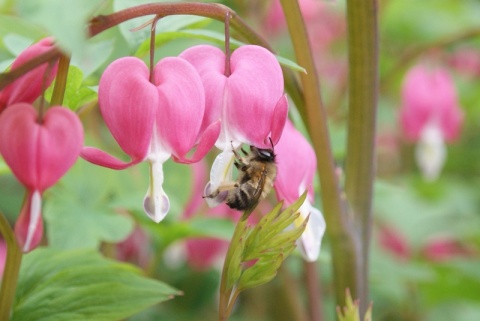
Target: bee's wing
<point>258,192</point>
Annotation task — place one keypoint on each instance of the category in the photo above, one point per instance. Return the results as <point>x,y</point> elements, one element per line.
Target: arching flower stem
<point>227,44</point>
<point>12,268</point>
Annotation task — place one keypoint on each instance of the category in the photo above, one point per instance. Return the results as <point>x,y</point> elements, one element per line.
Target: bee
<point>256,174</point>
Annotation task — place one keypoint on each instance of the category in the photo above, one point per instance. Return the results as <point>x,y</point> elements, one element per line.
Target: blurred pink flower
<point>466,61</point>
<point>201,253</point>
<point>28,88</point>
<point>3,256</point>
<point>135,248</point>
<point>153,121</point>
<point>250,101</point>
<point>430,115</point>
<point>391,240</point>
<point>297,164</point>
<point>39,153</point>
<point>441,249</point>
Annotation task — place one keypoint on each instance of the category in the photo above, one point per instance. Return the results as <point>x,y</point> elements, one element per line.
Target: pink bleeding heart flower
<point>28,88</point>
<point>249,100</point>
<point>296,167</point>
<point>39,153</point>
<point>393,241</point>
<point>153,121</point>
<point>430,115</point>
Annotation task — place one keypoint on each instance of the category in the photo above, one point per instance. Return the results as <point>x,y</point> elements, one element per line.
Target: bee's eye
<point>265,153</point>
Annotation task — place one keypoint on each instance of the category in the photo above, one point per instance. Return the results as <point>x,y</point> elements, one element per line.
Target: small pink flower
<point>202,253</point>
<point>28,88</point>
<point>39,153</point>
<point>394,242</point>
<point>153,121</point>
<point>3,256</point>
<point>430,115</point>
<point>441,249</point>
<point>250,101</point>
<point>296,167</point>
<point>135,248</point>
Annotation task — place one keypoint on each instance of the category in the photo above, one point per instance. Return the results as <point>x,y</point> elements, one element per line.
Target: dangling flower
<point>296,163</point>
<point>430,115</point>
<point>28,88</point>
<point>153,121</point>
<point>249,99</point>
<point>39,153</point>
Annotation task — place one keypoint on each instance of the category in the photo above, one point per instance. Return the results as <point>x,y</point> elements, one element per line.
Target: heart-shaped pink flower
<point>153,121</point>
<point>29,87</point>
<point>39,153</point>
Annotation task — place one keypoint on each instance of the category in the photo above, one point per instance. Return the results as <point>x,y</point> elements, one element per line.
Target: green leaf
<point>82,285</point>
<point>263,271</point>
<point>79,214</point>
<point>76,95</point>
<point>65,20</point>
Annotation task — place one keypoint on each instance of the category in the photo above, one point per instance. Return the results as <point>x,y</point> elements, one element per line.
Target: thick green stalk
<point>12,268</point>
<point>60,81</point>
<point>363,92</point>
<point>339,227</point>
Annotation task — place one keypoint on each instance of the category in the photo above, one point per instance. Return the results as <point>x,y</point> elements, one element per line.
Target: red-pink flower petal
<point>207,140</point>
<point>247,99</point>
<point>210,64</point>
<point>252,93</point>
<point>29,224</point>
<point>128,102</point>
<point>292,178</point>
<point>39,153</point>
<point>429,96</point>
<point>29,87</point>
<point>181,105</point>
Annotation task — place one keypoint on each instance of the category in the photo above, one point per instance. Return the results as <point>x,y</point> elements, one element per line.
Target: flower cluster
<point>38,148</point>
<point>430,115</point>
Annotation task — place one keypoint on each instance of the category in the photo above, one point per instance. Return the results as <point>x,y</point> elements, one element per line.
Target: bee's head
<point>267,155</point>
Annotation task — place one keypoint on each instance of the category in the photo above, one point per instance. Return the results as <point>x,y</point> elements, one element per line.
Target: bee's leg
<point>221,189</point>
<point>241,166</point>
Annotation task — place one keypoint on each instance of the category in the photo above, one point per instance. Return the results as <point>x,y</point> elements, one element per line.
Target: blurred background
<point>425,257</point>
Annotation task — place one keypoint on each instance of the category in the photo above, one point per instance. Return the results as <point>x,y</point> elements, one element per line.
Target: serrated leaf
<point>263,271</point>
<point>234,266</point>
<point>82,285</point>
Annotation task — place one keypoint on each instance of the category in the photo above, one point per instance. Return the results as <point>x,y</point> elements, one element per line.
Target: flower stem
<point>11,271</point>
<point>152,48</point>
<point>60,81</point>
<point>339,228</point>
<point>227,72</point>
<point>226,299</point>
<point>360,162</point>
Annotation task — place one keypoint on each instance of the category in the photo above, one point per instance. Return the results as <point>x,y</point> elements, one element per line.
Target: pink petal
<point>181,105</point>
<point>207,140</point>
<point>278,120</point>
<point>429,96</point>
<point>252,93</point>
<point>203,252</point>
<point>209,62</point>
<point>39,154</point>
<point>29,225</point>
<point>128,102</point>
<point>99,157</point>
<point>293,179</point>
<point>28,88</point>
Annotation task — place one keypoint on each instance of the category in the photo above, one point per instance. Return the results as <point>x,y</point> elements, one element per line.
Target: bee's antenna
<point>271,143</point>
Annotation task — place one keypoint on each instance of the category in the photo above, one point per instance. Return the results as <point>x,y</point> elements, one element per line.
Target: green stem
<point>339,227</point>
<point>12,268</point>
<point>226,298</point>
<point>363,92</point>
<point>60,81</point>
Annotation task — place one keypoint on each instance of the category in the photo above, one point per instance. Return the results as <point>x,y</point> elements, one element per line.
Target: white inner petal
<point>311,239</point>
<point>430,152</point>
<point>35,212</point>
<point>221,173</point>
